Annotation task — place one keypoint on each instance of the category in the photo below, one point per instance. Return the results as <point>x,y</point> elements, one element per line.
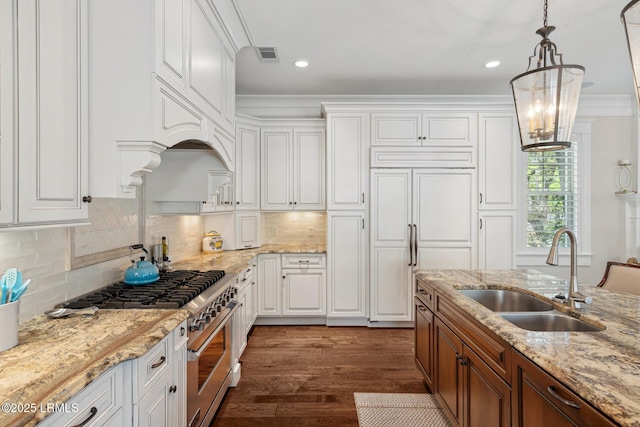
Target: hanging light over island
<point>546,98</point>
<point>630,17</point>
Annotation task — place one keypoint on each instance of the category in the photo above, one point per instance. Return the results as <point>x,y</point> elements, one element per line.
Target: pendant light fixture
<point>630,17</point>
<point>546,98</point>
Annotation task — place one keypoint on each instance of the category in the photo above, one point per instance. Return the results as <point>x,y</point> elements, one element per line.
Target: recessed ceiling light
<point>492,64</point>
<point>301,63</point>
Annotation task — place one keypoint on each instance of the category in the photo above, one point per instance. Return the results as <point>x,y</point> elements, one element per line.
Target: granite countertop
<point>57,358</point>
<point>601,367</point>
<point>232,262</point>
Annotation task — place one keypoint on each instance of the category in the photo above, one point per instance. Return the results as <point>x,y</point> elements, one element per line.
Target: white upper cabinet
<point>247,171</point>
<point>7,140</point>
<point>498,147</point>
<point>277,169</point>
<point>447,129</point>
<point>166,75</point>
<point>293,169</point>
<point>52,116</point>
<point>347,162</point>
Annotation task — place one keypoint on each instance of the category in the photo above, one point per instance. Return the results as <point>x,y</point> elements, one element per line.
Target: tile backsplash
<point>294,227</point>
<point>41,254</point>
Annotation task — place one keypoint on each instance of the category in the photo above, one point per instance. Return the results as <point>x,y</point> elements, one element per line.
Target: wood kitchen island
<point>592,378</point>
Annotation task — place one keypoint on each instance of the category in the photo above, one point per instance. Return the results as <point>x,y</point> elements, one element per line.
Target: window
<point>555,189</point>
<point>552,195</point>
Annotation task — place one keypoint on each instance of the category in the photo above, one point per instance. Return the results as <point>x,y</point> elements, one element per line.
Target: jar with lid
<point>212,242</point>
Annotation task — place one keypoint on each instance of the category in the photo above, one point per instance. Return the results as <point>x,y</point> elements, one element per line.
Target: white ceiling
<point>425,47</point>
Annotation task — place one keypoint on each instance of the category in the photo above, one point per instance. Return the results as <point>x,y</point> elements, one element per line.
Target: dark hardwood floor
<point>306,375</point>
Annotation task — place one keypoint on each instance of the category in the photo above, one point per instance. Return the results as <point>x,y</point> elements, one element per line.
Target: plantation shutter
<point>552,195</point>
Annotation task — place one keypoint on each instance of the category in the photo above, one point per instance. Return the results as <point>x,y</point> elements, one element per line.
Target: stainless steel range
<point>210,298</point>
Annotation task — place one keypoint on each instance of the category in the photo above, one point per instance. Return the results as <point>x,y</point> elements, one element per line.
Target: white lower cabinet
<point>496,239</point>
<point>159,383</point>
<point>291,285</point>
<point>346,267</point>
<point>147,391</point>
<point>244,317</point>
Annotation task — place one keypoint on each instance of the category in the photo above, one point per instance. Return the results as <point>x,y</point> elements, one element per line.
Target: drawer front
<point>99,403</point>
<point>304,261</point>
<point>149,368</point>
<point>425,293</point>
<point>495,352</point>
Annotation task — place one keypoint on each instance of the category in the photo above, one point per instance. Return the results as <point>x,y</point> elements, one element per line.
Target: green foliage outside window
<point>551,191</point>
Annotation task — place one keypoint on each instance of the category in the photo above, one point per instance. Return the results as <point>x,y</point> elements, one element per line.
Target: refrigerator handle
<point>415,245</point>
<point>410,246</point>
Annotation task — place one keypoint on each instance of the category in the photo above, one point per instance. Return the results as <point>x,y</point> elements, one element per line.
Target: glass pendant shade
<point>546,101</point>
<point>630,17</point>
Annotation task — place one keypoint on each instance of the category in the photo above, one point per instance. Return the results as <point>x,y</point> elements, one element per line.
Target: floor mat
<point>399,410</point>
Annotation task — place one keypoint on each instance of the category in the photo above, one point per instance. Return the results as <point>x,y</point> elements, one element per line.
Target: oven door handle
<point>195,354</point>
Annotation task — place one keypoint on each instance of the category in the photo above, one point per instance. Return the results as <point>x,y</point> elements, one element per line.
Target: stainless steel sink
<point>549,322</point>
<point>503,300</point>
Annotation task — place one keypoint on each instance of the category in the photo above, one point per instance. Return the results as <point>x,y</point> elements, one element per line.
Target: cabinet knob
<point>237,203</point>
<point>290,203</point>
<point>87,199</point>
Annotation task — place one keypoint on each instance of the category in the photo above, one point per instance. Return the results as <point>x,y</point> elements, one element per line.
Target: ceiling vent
<point>267,54</point>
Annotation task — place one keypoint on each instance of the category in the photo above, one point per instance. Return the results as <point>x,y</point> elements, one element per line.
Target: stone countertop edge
<point>57,358</point>
<point>601,367</point>
<point>232,262</point>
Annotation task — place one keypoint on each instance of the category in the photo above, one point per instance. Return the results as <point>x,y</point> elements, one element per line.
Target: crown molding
<point>316,105</point>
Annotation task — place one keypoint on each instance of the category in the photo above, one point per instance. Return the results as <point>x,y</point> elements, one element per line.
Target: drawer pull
<point>303,260</point>
<point>422,308</point>
<point>93,413</point>
<point>422,291</point>
<point>551,389</point>
<point>173,389</point>
<point>159,363</point>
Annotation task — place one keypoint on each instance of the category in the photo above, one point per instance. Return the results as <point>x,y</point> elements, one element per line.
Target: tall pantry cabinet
<point>347,224</point>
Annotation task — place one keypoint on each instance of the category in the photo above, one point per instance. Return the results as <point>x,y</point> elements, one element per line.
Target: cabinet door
<point>7,141</point>
<point>304,292</point>
<point>487,400</point>
<point>178,394</point>
<point>444,215</point>
<point>396,129</point>
<point>424,346</point>
<point>346,264</point>
<point>52,110</point>
<point>498,147</point>
<point>276,155</point>
<point>449,129</point>
<point>449,379</point>
<point>247,173</point>
<point>308,169</point>
<point>239,329</point>
<point>496,241</point>
<point>390,275</point>
<point>248,230</point>
<point>270,285</point>
<point>153,408</point>
<point>347,176</point>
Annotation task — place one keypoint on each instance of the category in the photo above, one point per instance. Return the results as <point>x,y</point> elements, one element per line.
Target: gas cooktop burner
<point>174,289</point>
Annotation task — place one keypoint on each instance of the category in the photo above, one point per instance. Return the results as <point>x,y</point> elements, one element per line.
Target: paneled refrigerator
<point>420,219</point>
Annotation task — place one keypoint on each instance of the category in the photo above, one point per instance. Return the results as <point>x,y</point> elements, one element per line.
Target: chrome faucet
<point>573,297</point>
